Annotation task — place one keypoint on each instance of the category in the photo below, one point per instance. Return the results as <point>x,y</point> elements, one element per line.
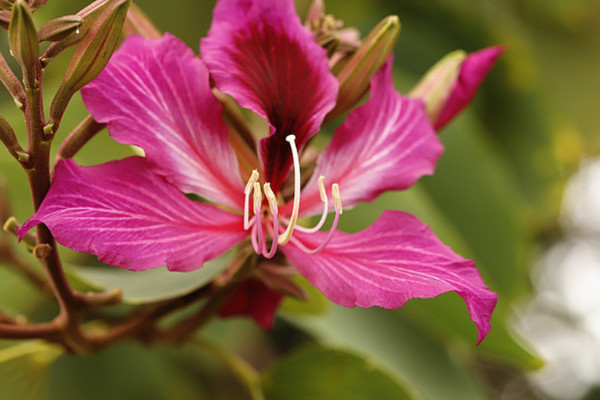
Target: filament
<point>285,237</point>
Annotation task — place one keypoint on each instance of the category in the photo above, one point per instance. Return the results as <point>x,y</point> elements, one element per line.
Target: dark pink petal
<point>155,94</point>
<point>472,73</point>
<point>256,300</point>
<point>396,259</point>
<point>387,144</point>
<point>132,218</point>
<point>259,53</point>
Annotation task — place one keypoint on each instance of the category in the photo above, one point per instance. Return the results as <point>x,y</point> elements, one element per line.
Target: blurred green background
<point>495,197</point>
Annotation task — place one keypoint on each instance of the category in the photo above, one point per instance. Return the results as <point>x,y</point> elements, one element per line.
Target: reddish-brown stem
<point>11,259</point>
<point>6,319</point>
<point>184,329</point>
<point>82,133</point>
<point>144,324</point>
<point>47,330</point>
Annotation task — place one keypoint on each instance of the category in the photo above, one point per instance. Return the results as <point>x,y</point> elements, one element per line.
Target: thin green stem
<point>246,373</point>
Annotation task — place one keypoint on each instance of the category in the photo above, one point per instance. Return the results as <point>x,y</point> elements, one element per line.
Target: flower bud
<point>355,74</point>
<point>12,83</point>
<point>435,86</point>
<point>91,55</point>
<point>9,139</point>
<point>35,4</point>
<point>59,28</point>
<point>88,16</point>
<point>22,36</point>
<point>138,23</point>
<point>6,4</point>
<point>315,14</point>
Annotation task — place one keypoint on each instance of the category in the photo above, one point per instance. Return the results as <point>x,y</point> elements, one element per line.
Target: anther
<point>271,198</point>
<point>257,198</point>
<point>322,188</point>
<point>249,186</point>
<point>275,232</point>
<point>253,179</point>
<point>337,199</point>
<point>321,222</point>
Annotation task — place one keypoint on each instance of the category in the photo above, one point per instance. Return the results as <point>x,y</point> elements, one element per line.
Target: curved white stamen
<point>275,233</point>
<point>325,209</point>
<point>332,230</point>
<point>285,237</point>
<point>253,238</point>
<point>249,186</point>
<point>258,211</point>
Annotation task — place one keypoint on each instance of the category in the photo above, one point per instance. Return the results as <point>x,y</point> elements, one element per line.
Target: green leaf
<point>323,374</point>
<point>152,285</point>
<point>407,352</point>
<point>315,305</point>
<point>24,369</point>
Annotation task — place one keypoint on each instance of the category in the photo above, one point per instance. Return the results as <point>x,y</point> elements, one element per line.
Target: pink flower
<point>132,213</point>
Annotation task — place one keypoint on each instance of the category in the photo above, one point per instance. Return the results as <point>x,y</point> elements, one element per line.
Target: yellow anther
<point>257,197</point>
<point>337,199</point>
<point>270,197</point>
<point>253,179</point>
<point>322,188</point>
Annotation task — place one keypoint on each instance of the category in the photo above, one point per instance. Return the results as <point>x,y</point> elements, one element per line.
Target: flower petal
<point>256,300</point>
<point>132,218</point>
<point>155,94</point>
<point>472,73</point>
<point>396,259</point>
<point>387,144</point>
<point>259,53</point>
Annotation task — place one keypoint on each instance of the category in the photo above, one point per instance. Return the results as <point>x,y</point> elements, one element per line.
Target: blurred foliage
<point>495,197</point>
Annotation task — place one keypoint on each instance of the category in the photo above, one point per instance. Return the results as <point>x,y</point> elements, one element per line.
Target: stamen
<point>332,230</point>
<point>257,198</point>
<point>283,239</point>
<point>275,233</point>
<point>260,243</point>
<point>249,186</point>
<point>337,199</point>
<point>325,209</point>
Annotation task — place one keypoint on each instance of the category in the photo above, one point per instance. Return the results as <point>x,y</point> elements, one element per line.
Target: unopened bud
<point>91,56</point>
<point>9,139</point>
<point>437,84</point>
<point>5,16</point>
<point>59,28</point>
<point>6,4</point>
<point>88,16</point>
<point>35,4</point>
<point>355,74</point>
<point>22,36</point>
<point>315,14</point>
<point>11,82</point>
<point>138,23</point>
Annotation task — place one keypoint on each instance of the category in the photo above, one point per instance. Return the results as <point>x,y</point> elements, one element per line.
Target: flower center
<point>255,223</point>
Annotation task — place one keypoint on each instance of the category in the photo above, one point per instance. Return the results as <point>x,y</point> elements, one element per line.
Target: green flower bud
<point>59,28</point>
<point>355,73</point>
<point>22,36</point>
<point>91,55</point>
<point>138,23</point>
<point>435,86</point>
